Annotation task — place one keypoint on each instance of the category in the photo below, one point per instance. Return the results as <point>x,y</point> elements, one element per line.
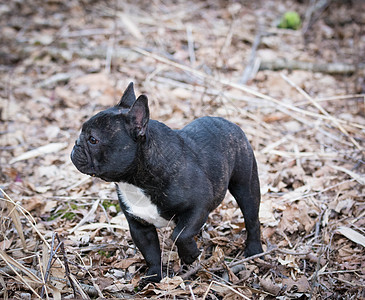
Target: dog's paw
<point>252,249</point>
<point>190,258</point>
<point>153,274</point>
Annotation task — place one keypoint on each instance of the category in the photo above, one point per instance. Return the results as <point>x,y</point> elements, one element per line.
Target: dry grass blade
<point>312,155</point>
<point>132,28</point>
<point>360,179</point>
<point>340,97</point>
<point>4,290</point>
<point>27,215</point>
<point>322,110</point>
<point>207,291</point>
<point>45,258</point>
<point>32,222</point>
<point>14,214</point>
<point>11,262</point>
<point>44,280</point>
<point>79,288</point>
<point>50,148</point>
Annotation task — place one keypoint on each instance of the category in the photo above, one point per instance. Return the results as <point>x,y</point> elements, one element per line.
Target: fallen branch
<point>328,68</point>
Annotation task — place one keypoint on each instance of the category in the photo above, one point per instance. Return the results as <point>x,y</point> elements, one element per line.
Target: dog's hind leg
<point>247,194</point>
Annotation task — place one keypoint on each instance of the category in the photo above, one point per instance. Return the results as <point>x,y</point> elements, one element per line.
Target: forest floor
<point>297,94</point>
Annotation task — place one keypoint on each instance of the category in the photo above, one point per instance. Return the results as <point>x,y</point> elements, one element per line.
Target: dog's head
<point>109,141</point>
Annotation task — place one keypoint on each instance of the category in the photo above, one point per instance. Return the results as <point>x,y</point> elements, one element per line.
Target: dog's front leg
<point>187,227</point>
<point>146,239</point>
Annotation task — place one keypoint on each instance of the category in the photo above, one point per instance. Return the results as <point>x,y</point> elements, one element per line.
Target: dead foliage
<point>62,233</point>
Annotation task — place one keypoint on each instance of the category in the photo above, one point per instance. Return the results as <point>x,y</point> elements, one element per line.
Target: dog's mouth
<point>83,162</point>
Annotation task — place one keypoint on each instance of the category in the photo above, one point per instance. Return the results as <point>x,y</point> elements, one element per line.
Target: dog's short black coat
<point>177,176</point>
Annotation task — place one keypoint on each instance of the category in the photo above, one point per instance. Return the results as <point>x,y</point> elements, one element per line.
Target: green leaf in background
<point>290,20</point>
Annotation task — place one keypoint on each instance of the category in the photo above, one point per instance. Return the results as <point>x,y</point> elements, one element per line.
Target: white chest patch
<point>140,205</point>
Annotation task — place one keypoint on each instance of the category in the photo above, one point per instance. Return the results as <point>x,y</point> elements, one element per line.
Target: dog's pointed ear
<point>139,115</point>
<point>128,97</point>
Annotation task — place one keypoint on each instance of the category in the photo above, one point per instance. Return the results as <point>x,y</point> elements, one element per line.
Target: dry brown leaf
<point>49,206</point>
<point>352,235</point>
<point>296,217</point>
<point>5,244</point>
<point>89,216</point>
<point>232,277</point>
<point>168,283</point>
<point>266,214</point>
<point>126,262</point>
<point>119,286</point>
<point>302,284</point>
<point>289,261</point>
<point>269,286</point>
<point>32,203</point>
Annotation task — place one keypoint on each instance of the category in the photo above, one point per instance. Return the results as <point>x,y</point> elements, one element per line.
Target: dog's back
<point>221,149</point>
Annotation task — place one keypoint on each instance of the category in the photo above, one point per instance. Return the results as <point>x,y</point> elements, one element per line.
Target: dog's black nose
<point>77,142</point>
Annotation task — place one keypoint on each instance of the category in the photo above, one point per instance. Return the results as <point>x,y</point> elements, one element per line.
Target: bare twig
<point>50,262</point>
<point>315,275</point>
<point>192,271</point>
<point>65,261</point>
<point>190,38</point>
<point>252,66</point>
<point>322,110</point>
<point>316,8</point>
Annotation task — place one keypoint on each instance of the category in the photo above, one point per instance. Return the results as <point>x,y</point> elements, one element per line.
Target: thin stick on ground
<point>44,286</point>
<point>50,263</point>
<point>65,261</point>
<point>322,110</point>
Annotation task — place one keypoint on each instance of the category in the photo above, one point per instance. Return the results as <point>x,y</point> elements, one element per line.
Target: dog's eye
<point>93,140</point>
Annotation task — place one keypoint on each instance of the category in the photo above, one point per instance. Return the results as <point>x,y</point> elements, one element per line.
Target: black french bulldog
<point>166,176</point>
